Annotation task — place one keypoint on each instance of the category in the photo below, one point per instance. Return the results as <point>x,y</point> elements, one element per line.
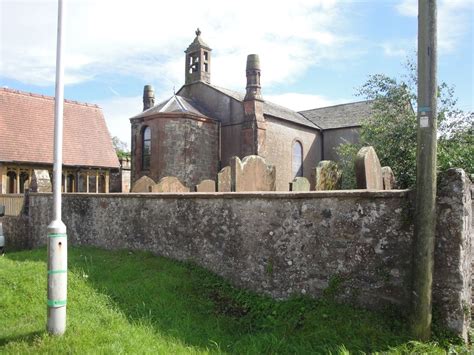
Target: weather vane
<point>198,32</point>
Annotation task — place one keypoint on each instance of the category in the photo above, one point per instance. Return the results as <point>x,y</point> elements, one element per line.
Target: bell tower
<point>198,61</point>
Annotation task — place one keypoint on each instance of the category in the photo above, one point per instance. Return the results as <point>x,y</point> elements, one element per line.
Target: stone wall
<point>280,137</point>
<point>183,147</point>
<point>335,137</point>
<point>357,243</point>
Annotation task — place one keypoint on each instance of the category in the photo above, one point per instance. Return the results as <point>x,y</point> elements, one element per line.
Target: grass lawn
<point>121,302</point>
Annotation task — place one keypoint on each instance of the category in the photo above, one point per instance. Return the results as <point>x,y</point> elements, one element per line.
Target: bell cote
<point>198,61</point>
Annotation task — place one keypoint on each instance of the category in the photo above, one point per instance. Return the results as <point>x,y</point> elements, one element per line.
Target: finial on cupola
<point>198,32</point>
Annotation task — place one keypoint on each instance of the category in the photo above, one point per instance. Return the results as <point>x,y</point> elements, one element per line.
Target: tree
<point>120,147</point>
<point>392,129</point>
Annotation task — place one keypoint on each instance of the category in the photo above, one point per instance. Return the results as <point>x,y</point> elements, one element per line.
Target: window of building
<point>297,160</point>
<point>92,184</point>
<point>102,183</point>
<point>24,181</point>
<point>11,182</point>
<point>71,183</point>
<point>82,183</point>
<point>146,148</point>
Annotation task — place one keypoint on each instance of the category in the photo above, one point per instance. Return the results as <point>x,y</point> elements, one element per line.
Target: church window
<point>11,182</point>
<point>146,148</point>
<point>101,183</point>
<point>71,183</point>
<point>24,181</point>
<point>297,160</point>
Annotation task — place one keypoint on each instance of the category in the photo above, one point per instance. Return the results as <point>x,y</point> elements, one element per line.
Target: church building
<point>194,133</point>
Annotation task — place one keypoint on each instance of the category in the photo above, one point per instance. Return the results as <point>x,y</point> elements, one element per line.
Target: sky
<point>313,53</point>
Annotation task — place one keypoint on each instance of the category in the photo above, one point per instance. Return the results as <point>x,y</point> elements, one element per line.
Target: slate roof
<point>271,109</point>
<point>27,130</point>
<point>175,103</point>
<point>340,116</point>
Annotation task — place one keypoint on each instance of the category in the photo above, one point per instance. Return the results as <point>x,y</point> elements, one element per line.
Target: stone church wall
<point>182,147</point>
<point>280,136</point>
<point>356,243</point>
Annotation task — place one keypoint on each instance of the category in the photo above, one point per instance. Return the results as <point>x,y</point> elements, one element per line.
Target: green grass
<point>121,302</point>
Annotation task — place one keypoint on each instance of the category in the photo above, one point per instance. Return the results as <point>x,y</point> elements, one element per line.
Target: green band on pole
<point>50,272</point>
<point>56,303</point>
<point>57,235</point>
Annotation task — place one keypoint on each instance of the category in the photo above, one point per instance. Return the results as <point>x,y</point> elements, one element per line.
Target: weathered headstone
<point>389,182</point>
<point>169,184</point>
<point>40,181</point>
<point>206,186</point>
<point>327,176</point>
<point>252,174</point>
<point>144,184</point>
<point>300,184</point>
<point>368,170</point>
<point>224,180</point>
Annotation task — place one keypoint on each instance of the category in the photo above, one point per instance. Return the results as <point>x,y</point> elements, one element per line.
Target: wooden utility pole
<point>425,214</point>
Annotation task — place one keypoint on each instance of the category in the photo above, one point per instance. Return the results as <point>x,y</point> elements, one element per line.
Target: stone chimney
<point>253,78</point>
<point>148,97</point>
<point>252,140</point>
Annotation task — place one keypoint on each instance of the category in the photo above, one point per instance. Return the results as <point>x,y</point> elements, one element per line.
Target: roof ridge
<point>344,104</point>
<point>46,97</point>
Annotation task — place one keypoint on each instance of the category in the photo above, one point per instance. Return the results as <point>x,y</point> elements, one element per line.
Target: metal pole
<point>425,213</point>
<point>57,238</point>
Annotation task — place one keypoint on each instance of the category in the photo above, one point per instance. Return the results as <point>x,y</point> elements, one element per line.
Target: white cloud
<point>301,102</point>
<point>399,48</point>
<point>455,19</point>
<point>146,39</point>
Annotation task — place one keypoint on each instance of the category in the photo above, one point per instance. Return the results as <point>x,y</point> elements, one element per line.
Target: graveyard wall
<point>354,245</point>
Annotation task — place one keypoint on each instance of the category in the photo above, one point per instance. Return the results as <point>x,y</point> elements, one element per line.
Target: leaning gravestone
<point>224,180</point>
<point>327,176</point>
<point>206,186</point>
<point>368,170</point>
<point>144,184</point>
<point>252,174</point>
<point>40,181</point>
<point>389,182</point>
<point>300,184</point>
<point>169,184</point>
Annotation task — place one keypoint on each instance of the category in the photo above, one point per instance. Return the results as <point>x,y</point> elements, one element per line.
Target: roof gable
<point>175,104</point>
<point>27,130</point>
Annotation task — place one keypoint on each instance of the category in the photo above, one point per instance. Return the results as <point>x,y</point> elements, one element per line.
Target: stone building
<point>193,134</point>
<point>26,143</point>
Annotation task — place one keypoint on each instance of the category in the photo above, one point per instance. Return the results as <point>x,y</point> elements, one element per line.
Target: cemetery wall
<point>353,245</point>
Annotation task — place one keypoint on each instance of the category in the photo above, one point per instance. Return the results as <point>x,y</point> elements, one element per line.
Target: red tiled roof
<point>27,130</point>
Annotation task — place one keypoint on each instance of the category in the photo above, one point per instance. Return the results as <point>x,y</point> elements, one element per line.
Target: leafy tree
<point>120,147</point>
<point>392,129</point>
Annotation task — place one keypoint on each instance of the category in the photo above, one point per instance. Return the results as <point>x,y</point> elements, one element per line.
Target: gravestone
<point>368,170</point>
<point>40,181</point>
<point>206,186</point>
<point>300,184</point>
<point>144,184</point>
<point>252,174</point>
<point>169,184</point>
<point>327,176</point>
<point>388,178</point>
<point>224,180</point>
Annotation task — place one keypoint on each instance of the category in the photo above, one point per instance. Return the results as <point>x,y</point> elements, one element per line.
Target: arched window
<point>82,182</point>
<point>101,183</point>
<point>11,182</point>
<point>71,183</point>
<point>146,148</point>
<point>24,181</point>
<point>297,160</point>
